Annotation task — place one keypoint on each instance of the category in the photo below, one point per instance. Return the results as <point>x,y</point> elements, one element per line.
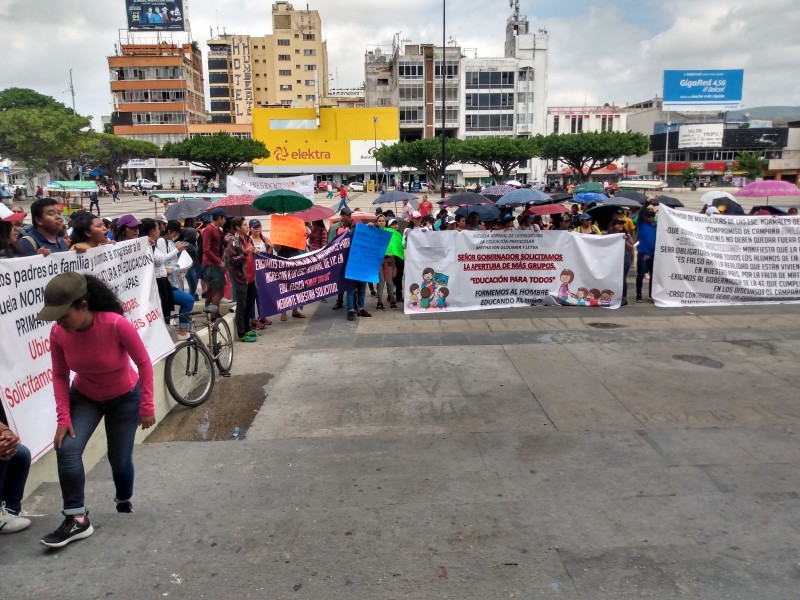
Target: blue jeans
<point>192,276</point>
<point>352,301</point>
<point>13,475</point>
<point>626,266</point>
<point>121,420</point>
<point>186,302</point>
<point>342,204</point>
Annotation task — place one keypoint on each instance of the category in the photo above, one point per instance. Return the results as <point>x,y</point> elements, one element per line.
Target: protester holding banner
<point>646,235</point>
<point>261,245</point>
<point>386,272</point>
<point>127,228</point>
<point>318,236</point>
<point>88,231</point>
<point>586,225</point>
<point>237,251</point>
<point>93,339</point>
<point>617,225</point>
<point>345,224</point>
<point>15,463</point>
<point>48,227</point>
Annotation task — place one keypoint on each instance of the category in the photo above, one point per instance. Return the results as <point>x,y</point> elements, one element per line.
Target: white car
<point>356,186</point>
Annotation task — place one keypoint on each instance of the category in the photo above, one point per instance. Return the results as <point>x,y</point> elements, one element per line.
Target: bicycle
<point>189,371</point>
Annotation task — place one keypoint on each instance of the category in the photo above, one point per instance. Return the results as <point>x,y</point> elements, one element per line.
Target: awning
<point>641,184</point>
<point>72,186</point>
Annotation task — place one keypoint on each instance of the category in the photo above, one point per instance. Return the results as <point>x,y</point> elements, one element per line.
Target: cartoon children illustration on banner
<point>583,296</point>
<point>431,293</point>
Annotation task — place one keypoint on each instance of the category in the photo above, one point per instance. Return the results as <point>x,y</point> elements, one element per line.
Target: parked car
<point>355,186</point>
<point>143,184</point>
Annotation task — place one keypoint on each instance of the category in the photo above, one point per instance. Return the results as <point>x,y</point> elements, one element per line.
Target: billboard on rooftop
<point>155,15</point>
<point>713,90</point>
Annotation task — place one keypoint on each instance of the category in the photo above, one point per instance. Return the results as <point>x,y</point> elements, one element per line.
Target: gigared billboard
<point>703,90</point>
<point>157,15</point>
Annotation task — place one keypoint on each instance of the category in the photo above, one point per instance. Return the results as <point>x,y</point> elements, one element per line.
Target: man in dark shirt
<point>48,223</point>
<point>213,265</point>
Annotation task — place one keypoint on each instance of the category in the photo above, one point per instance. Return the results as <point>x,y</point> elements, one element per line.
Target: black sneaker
<point>337,306</point>
<point>125,507</point>
<point>69,531</point>
<point>351,315</point>
<point>363,313</point>
<point>638,299</point>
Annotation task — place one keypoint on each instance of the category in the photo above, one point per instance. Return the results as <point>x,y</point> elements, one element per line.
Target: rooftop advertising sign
<point>701,135</point>
<point>157,15</point>
<point>703,90</point>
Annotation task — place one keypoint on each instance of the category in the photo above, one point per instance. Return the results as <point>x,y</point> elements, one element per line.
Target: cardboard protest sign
<point>367,253</point>
<point>286,230</point>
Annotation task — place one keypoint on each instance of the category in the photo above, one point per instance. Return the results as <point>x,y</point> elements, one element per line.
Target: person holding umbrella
<point>646,234</point>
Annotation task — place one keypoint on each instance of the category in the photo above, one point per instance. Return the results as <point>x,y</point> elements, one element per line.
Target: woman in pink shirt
<point>93,339</point>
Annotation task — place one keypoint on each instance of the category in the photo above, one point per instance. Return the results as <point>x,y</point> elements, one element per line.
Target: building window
<point>310,97</point>
<point>218,92</point>
<point>411,115</point>
<point>576,125</point>
<point>285,88</point>
<point>450,93</point>
<point>555,124</point>
<point>607,123</point>
<point>309,37</point>
<point>451,115</point>
<point>310,82</point>
<point>450,69</point>
<point>282,42</point>
<point>159,118</point>
<point>383,102</point>
<point>286,102</point>
<point>217,64</point>
<point>496,101</point>
<point>490,79</point>
<point>284,57</point>
<point>219,106</point>
<point>285,72</point>
<point>410,70</point>
<point>217,78</point>
<point>309,52</point>
<point>489,122</point>
<point>411,92</point>
<point>311,67</point>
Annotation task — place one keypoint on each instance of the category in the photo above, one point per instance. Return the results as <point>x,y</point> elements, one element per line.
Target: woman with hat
<point>93,339</point>
<point>127,228</point>
<point>586,225</point>
<point>10,226</point>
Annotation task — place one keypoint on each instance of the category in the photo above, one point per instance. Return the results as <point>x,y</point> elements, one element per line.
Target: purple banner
<point>283,284</point>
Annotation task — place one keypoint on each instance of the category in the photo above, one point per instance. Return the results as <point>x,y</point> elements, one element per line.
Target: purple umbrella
<point>767,188</point>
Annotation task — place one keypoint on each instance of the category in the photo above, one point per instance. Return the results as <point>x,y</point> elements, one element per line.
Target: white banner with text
<point>719,260</point>
<point>474,270</point>
<point>303,184</point>
<point>26,380</point>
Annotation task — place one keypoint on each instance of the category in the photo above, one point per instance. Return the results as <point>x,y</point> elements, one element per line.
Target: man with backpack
<point>45,235</point>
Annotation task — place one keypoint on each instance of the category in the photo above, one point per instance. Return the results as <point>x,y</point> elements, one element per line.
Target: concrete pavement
<point>530,453</point>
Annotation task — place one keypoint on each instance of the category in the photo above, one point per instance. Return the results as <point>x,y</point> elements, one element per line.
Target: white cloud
<point>598,53</point>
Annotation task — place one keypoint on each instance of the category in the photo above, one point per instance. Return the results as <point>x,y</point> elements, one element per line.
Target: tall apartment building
<point>483,97</point>
<point>288,67</point>
<point>157,91</point>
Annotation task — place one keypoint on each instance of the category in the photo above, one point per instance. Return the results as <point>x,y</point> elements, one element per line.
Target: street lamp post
<point>375,151</point>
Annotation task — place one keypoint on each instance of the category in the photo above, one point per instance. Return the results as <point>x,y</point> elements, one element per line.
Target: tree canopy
<point>588,152</point>
<point>423,155</point>
<point>40,132</point>
<point>221,152</point>
<point>112,152</point>
<point>753,164</point>
<point>499,155</point>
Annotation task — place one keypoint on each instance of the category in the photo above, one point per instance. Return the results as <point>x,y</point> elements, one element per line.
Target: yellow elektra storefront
<point>340,140</point>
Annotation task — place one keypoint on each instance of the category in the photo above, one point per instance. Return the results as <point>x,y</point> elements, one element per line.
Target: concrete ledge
<point>45,470</point>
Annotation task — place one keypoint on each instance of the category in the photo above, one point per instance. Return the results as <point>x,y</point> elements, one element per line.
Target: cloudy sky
<point>612,51</point>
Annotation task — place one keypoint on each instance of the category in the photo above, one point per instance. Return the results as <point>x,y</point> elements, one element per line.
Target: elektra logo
<point>282,154</point>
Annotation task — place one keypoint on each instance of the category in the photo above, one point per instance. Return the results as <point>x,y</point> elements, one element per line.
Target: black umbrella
<point>397,196</point>
<point>187,209</point>
<point>633,195</point>
<point>727,206</point>
<point>487,212</point>
<point>465,198</point>
<point>616,200</point>
<point>603,213</point>
<point>667,201</point>
<point>773,210</point>
<point>561,196</point>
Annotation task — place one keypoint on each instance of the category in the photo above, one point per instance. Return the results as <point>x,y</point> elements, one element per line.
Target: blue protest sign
<point>366,253</point>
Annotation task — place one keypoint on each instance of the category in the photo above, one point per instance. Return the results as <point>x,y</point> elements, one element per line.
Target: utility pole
<point>72,92</point>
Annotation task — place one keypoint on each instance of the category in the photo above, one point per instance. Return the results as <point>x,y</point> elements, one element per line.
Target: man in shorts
<point>213,265</point>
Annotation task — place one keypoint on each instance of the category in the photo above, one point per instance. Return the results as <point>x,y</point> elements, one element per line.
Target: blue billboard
<point>703,90</point>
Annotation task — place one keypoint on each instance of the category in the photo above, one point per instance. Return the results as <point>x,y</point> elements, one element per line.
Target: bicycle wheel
<point>222,345</point>
<point>189,373</point>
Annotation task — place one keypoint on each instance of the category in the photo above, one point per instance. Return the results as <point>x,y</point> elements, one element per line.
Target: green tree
<point>689,174</point>
<point>422,155</point>
<point>499,155</point>
<point>592,151</point>
<point>753,164</point>
<point>221,153</point>
<point>112,152</point>
<point>40,133</point>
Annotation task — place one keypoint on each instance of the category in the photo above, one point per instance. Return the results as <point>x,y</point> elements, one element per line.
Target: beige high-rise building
<point>288,67</point>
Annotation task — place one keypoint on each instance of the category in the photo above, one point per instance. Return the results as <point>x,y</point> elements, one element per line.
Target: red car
<point>322,186</point>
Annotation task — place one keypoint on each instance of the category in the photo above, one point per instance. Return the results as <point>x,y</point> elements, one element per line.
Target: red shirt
<point>342,192</point>
<point>425,207</point>
<point>212,246</point>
